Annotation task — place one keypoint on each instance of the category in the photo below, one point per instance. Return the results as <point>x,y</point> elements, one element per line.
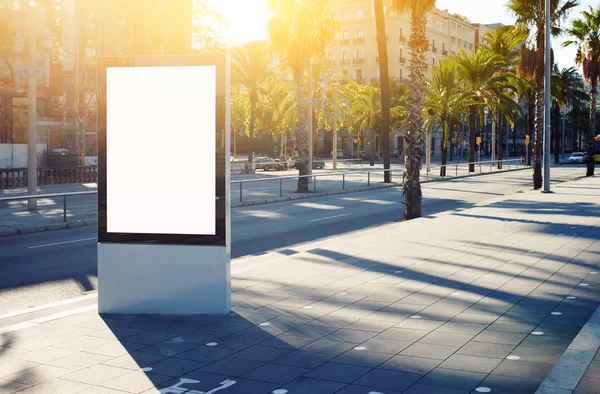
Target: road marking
<point>47,306</point>
<point>35,322</point>
<point>330,217</point>
<point>62,243</point>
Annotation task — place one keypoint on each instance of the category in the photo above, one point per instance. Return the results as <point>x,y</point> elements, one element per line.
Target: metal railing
<point>480,165</point>
<point>54,195</point>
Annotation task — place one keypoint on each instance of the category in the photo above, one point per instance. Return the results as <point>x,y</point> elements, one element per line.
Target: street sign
<point>526,140</point>
<point>478,141</point>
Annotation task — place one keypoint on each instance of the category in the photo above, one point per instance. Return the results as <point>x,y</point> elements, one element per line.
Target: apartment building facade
<point>354,53</point>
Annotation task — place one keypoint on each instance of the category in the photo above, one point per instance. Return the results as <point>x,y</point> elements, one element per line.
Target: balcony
<point>344,61</point>
<point>402,60</point>
<point>402,39</point>
<point>331,63</point>
<point>374,80</point>
<point>434,49</point>
<point>344,42</point>
<point>360,80</point>
<point>359,40</point>
<point>359,60</point>
<point>445,52</point>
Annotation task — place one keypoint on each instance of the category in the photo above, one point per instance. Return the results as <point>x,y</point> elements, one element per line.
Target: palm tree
<point>483,79</point>
<point>300,31</point>
<point>567,88</point>
<point>418,45</point>
<point>252,68</point>
<point>385,88</point>
<point>445,99</point>
<point>531,16</point>
<point>369,113</point>
<point>586,34</point>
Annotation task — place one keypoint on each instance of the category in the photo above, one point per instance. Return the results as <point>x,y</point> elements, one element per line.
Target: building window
<point>401,74</point>
<point>345,55</point>
<point>433,62</point>
<point>359,13</point>
<point>345,35</point>
<point>346,15</point>
<point>454,40</point>
<point>401,52</point>
<point>443,46</point>
<point>359,53</point>
<point>359,74</point>
<point>459,42</point>
<point>345,73</point>
<point>453,26</point>
<point>359,33</point>
<point>471,46</point>
<point>330,56</point>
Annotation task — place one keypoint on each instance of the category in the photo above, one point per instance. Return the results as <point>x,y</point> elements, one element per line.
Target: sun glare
<point>246,18</point>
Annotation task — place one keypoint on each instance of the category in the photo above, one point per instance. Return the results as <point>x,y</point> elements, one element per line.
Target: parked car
<point>283,164</point>
<point>317,163</point>
<point>577,158</point>
<point>265,163</point>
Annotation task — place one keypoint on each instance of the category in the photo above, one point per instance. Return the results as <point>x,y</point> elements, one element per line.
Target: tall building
<point>354,54</point>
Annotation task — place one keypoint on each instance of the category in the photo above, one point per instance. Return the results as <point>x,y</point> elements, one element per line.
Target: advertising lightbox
<point>161,150</point>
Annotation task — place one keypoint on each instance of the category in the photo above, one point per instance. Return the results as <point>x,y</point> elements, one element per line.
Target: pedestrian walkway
<point>480,300</point>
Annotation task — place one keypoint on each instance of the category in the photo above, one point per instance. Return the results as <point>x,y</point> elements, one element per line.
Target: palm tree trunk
<point>445,137</point>
<point>514,134</point>
<point>301,133</point>
<point>592,130</point>
<point>500,139</point>
<point>539,108</point>
<point>556,115</point>
<point>472,116</point>
<point>419,45</point>
<point>385,87</point>
<point>372,147</point>
<point>530,118</point>
<point>253,102</point>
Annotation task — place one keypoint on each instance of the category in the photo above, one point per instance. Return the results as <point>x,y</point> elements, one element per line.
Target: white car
<point>576,158</point>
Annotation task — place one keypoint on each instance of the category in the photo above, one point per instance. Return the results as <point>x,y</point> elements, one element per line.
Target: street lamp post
<point>334,127</point>
<point>548,34</point>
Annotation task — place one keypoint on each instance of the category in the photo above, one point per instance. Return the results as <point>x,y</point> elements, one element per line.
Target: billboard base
<point>163,279</point>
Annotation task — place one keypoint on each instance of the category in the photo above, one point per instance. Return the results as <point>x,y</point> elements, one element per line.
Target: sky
<point>247,19</point>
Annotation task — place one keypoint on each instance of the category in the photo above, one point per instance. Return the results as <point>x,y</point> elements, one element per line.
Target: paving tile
<point>79,360</point>
<point>262,353</point>
<point>83,343</point>
<point>356,389</point>
<point>420,324</point>
<point>175,366</point>
<point>370,325</point>
<point>100,390</point>
<point>7,387</point>
<point>593,370</point>
<point>428,389</point>
<point>512,385</point>
<point>512,326</point>
<point>115,348</point>
<point>402,334</point>
<point>10,365</point>
<point>232,366</point>
<point>471,363</point>
<point>37,375</point>
<point>348,335</point>
<point>362,358</point>
<point>547,341</point>
<point>484,349</point>
<point>502,338</point>
<point>150,337</point>
<point>446,338</point>
<point>410,364</point>
<point>313,386</point>
<point>276,373</point>
<point>476,318</point>
<point>538,355</point>
<point>291,342</point>
<point>385,346</point>
<point>96,374</point>
<point>136,382</point>
<point>558,331</point>
<point>443,377</point>
<point>333,348</point>
<point>33,343</point>
<point>587,386</point>
<point>427,350</point>
<point>134,361</point>
<point>303,359</point>
<point>523,369</point>
<point>206,354</point>
<point>343,373</point>
<point>388,380</point>
<point>57,386</point>
<point>168,349</point>
<point>461,328</point>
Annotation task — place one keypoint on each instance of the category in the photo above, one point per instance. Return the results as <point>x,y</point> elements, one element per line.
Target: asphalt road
<point>46,267</point>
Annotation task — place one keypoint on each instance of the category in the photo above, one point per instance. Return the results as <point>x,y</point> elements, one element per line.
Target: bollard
<point>509,164</point>
<point>343,181</point>
<point>456,168</point>
<point>280,187</point>
<point>240,191</point>
<point>369,178</point>
<point>315,183</point>
<point>491,166</point>
<point>64,208</point>
<point>480,167</point>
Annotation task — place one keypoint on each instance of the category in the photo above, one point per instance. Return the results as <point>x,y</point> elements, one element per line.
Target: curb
<point>94,222</point>
<point>567,373</point>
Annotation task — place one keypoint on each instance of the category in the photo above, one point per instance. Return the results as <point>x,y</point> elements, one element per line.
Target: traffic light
<point>526,140</point>
<point>478,141</point>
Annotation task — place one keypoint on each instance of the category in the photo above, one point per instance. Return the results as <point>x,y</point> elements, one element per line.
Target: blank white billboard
<point>160,147</point>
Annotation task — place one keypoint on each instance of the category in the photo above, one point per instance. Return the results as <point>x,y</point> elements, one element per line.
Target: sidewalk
<point>484,299</point>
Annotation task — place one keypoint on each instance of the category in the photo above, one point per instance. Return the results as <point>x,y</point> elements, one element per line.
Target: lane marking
<point>35,322</point>
<point>62,243</point>
<point>330,217</point>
